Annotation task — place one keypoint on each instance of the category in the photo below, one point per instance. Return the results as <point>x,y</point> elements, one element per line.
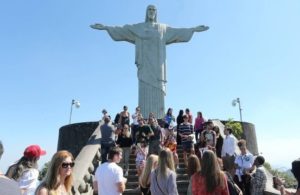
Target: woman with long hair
<point>163,179</point>
<point>25,171</point>
<point>210,180</point>
<point>58,180</point>
<point>169,118</point>
<point>144,180</point>
<point>192,168</point>
<point>179,120</point>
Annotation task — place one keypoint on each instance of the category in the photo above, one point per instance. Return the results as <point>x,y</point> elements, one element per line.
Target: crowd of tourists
<point>214,164</point>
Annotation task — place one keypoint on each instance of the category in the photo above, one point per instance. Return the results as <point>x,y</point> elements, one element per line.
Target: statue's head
<point>151,14</point>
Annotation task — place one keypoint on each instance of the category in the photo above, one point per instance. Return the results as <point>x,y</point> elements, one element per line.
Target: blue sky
<point>49,56</point>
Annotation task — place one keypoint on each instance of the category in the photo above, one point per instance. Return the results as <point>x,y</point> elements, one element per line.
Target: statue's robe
<point>150,41</point>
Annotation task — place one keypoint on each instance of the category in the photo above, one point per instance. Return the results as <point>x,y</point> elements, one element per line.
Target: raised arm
<point>98,26</point>
<point>200,28</point>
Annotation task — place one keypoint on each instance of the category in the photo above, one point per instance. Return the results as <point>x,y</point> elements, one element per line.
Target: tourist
<point>155,140</point>
<point>279,184</point>
<point>169,118</point>
<point>25,171</point>
<point>144,132</point>
<point>244,163</point>
<point>229,143</point>
<point>7,185</point>
<point>229,168</point>
<point>58,179</point>
<point>189,114</point>
<point>258,176</point>
<point>105,114</point>
<point>192,168</point>
<point>117,118</point>
<point>108,132</point>
<point>179,120</point>
<point>208,137</point>
<point>219,141</point>
<point>144,180</point>
<point>109,176</point>
<point>296,172</point>
<point>171,144</point>
<point>124,117</point>
<point>125,142</point>
<point>141,154</point>
<point>135,124</point>
<point>210,179</point>
<point>198,126</point>
<point>163,178</point>
<point>185,131</point>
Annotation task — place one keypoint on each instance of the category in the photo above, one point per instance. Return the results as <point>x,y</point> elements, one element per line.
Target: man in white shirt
<point>229,143</point>
<point>109,178</point>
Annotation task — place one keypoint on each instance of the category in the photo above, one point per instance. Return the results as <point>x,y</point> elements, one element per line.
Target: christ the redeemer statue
<point>150,39</point>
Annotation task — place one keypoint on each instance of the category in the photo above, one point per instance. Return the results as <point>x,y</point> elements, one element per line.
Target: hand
<point>201,28</point>
<point>98,26</point>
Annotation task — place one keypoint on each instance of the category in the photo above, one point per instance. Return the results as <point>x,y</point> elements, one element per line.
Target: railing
<point>86,164</point>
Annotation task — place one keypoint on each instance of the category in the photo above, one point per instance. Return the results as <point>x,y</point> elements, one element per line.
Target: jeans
<point>105,147</point>
<point>125,160</point>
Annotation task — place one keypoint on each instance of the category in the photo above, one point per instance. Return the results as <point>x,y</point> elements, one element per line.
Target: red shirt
<point>199,187</point>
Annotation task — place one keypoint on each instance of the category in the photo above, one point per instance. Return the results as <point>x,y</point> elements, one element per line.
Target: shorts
<point>187,146</point>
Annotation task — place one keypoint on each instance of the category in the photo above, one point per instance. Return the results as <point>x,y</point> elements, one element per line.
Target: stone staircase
<point>132,179</point>
<point>83,141</point>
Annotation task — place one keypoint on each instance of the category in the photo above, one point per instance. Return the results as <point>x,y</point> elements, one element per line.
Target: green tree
<point>236,127</point>
<point>43,171</point>
<point>286,176</point>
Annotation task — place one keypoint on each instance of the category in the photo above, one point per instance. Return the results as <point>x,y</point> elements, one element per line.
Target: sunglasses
<point>66,165</point>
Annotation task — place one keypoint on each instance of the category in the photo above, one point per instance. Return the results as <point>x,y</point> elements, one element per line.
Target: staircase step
<point>132,178</point>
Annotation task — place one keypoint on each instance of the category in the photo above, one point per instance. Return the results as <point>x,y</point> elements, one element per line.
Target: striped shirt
<point>185,129</point>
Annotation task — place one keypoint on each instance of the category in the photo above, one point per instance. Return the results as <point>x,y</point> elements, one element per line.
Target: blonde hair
<point>150,163</point>
<point>165,162</point>
<point>52,180</point>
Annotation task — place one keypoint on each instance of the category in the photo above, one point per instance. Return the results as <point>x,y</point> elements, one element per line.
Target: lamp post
<point>234,102</point>
<point>77,105</point>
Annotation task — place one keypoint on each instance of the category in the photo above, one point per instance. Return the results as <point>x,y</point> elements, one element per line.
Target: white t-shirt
<point>29,181</point>
<point>107,176</point>
<point>135,119</point>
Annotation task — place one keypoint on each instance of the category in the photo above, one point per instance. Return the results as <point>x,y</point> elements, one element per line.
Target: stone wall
<point>73,137</point>
<point>249,135</point>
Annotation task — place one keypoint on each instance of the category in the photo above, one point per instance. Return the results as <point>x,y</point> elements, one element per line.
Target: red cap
<point>34,151</point>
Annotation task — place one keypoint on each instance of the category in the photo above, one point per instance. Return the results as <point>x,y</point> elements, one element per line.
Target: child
<point>171,144</point>
<point>141,155</point>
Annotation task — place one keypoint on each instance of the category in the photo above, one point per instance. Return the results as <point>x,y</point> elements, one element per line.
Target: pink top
<point>199,122</point>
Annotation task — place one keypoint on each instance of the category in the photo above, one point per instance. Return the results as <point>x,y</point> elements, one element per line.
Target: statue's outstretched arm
<point>98,26</point>
<point>201,28</point>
